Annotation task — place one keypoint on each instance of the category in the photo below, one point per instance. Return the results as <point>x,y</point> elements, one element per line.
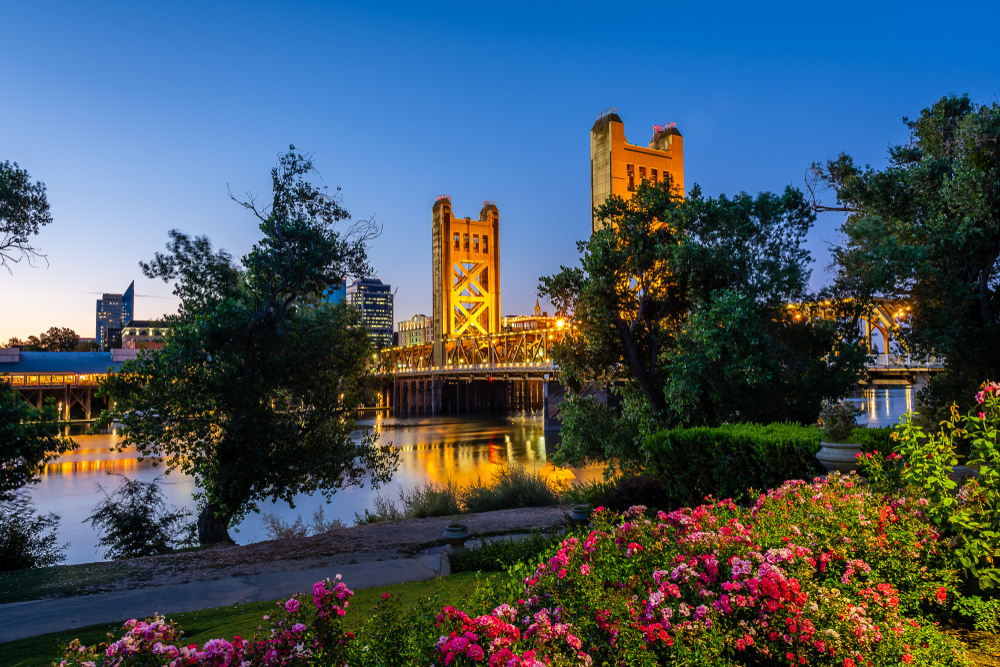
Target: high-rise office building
<point>114,311</point>
<point>336,294</point>
<point>373,300</point>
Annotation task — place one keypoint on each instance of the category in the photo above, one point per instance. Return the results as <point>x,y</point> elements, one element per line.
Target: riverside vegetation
<point>823,572</point>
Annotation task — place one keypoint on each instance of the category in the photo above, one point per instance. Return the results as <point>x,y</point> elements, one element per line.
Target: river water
<point>431,449</point>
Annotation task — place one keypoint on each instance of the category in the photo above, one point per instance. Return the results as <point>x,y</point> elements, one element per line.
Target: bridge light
<point>560,323</point>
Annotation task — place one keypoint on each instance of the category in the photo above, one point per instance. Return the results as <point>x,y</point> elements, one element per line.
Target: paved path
<point>27,619</point>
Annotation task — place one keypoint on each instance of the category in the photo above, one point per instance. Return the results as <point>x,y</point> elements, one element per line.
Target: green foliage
<point>984,615</point>
<point>499,554</point>
<point>24,541</point>
<point>385,512</point>
<point>729,461</point>
<point>927,229</point>
<point>874,439</point>
<point>54,340</point>
<point>839,420</point>
<point>593,432</point>
<point>511,487</point>
<point>254,391</point>
<point>968,515</point>
<point>29,438</point>
<point>685,302</point>
<point>431,500</point>
<point>24,210</point>
<point>588,493</point>
<point>134,521</point>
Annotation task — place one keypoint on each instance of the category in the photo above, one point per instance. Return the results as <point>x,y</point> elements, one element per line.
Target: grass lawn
<point>62,580</point>
<point>224,622</point>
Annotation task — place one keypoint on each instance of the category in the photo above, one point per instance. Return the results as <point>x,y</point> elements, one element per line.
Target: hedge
<point>728,461</point>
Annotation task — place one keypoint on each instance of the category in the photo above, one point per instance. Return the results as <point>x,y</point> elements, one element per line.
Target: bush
<point>23,539</point>
<point>430,500</point>
<point>135,521</point>
<point>279,529</point>
<point>823,573</point>
<point>499,554</point>
<point>588,493</point>
<point>874,439</point>
<point>728,461</point>
<point>636,490</point>
<point>385,511</point>
<point>511,487</point>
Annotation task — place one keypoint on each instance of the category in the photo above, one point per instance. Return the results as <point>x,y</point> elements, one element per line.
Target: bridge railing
<point>476,368</point>
<point>904,361</point>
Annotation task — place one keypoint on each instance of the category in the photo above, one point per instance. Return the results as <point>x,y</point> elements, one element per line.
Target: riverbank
<point>343,546</point>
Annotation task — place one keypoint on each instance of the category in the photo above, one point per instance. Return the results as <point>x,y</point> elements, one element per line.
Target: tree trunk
<point>637,365</point>
<point>213,525</point>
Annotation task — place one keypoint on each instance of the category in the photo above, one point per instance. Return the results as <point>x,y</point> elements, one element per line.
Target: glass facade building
<point>373,300</point>
<point>114,311</point>
<point>338,295</point>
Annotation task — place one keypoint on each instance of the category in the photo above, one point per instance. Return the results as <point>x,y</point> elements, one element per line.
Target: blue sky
<point>137,116</point>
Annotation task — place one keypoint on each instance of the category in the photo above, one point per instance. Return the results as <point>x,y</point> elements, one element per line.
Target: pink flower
<point>982,416</point>
<point>942,594</point>
<point>584,569</point>
<point>292,605</point>
<point>386,596</point>
<point>475,652</point>
<point>907,658</point>
<point>298,627</point>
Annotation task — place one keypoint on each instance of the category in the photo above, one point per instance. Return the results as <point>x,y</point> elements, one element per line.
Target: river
<point>431,449</point>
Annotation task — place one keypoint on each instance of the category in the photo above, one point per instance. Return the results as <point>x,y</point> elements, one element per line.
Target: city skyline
<point>136,121</point>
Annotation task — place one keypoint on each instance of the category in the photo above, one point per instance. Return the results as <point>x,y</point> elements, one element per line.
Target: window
<point>642,174</point>
<point>486,243</point>
<point>630,171</point>
<point>652,174</point>
<point>456,240</point>
<point>475,243</point>
<point>466,239</point>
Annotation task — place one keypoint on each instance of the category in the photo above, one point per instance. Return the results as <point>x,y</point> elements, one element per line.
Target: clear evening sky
<point>136,117</point>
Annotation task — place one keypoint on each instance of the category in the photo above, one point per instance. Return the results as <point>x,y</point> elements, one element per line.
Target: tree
<point>926,229</point>
<point>24,210</point>
<point>254,389</point>
<point>54,340</point>
<point>685,302</point>
<point>134,521</point>
<point>59,340</point>
<point>29,438</point>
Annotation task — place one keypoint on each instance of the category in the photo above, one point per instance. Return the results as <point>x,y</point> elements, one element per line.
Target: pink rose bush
<point>288,643</point>
<point>821,573</point>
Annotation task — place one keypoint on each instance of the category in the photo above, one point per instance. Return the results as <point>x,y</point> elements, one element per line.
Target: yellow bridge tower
<point>466,268</point>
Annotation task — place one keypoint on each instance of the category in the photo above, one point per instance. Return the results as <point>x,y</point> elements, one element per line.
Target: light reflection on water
<point>884,406</point>
<point>433,449</point>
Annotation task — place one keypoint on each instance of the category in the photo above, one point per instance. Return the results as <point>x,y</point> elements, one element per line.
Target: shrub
<point>511,487</point>
<point>135,521</point>
<point>588,493</point>
<point>279,529</point>
<point>874,439</point>
<point>839,420</point>
<point>430,500</point>
<point>497,555</point>
<point>968,514</point>
<point>727,461</point>
<point>385,511</point>
<point>23,539</point>
<point>636,490</point>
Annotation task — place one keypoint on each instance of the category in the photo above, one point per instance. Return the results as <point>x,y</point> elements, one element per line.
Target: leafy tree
<point>254,390</point>
<point>24,542</point>
<point>24,210</point>
<point>134,521</point>
<point>685,304</point>
<point>927,229</point>
<point>59,340</point>
<point>29,438</point>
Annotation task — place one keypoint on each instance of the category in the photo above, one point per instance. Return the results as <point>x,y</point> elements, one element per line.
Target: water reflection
<point>883,406</point>
<point>436,449</point>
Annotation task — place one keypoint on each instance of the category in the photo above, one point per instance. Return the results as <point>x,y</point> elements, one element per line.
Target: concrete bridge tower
<point>618,167</point>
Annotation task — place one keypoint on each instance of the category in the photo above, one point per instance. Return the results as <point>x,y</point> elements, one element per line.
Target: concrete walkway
<point>27,619</point>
